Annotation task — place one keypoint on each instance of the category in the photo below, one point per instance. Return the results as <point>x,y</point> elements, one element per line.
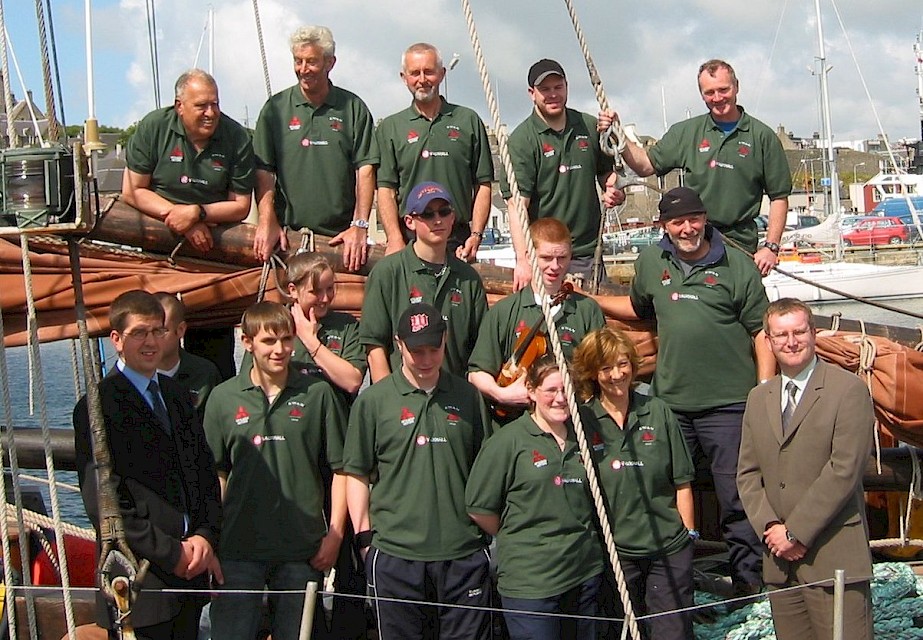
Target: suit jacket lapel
<point>774,388</point>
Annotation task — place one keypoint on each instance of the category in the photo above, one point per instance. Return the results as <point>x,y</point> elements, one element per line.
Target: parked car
<point>807,221</point>
<point>645,238</point>
<point>875,231</point>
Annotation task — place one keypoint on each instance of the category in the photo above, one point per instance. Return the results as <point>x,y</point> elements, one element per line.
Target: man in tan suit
<point>807,435</point>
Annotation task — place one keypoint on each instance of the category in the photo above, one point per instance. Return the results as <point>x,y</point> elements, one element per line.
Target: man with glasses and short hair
<point>708,302</point>
<point>807,435</point>
<point>423,271</point>
<point>163,473</point>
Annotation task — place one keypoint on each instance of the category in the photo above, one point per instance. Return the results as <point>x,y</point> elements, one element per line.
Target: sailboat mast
<point>831,204</point>
<point>918,56</point>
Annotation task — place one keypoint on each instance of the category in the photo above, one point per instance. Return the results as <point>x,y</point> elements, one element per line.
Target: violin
<point>529,347</point>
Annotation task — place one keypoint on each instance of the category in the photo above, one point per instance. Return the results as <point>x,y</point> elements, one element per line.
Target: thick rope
<point>7,88</point>
<point>56,66</point>
<point>46,72</point>
<point>75,370</point>
<point>868,351</point>
<point>34,520</point>
<point>615,131</point>
<point>539,288</point>
<point>10,445</point>
<point>259,37</point>
<point>46,433</point>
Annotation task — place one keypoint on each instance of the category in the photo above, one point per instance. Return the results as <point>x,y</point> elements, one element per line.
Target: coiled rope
<point>539,288</point>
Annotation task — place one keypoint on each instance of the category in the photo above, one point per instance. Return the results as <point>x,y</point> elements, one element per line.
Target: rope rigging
<point>539,288</point>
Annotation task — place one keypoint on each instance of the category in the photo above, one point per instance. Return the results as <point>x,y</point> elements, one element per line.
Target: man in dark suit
<point>164,473</point>
<point>807,435</point>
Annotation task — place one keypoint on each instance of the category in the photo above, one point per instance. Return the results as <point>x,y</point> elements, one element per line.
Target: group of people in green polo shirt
<point>409,469</point>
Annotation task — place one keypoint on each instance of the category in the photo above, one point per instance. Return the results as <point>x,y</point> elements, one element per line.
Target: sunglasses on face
<point>429,214</point>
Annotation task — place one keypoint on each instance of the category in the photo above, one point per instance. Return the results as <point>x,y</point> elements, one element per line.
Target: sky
<point>647,54</point>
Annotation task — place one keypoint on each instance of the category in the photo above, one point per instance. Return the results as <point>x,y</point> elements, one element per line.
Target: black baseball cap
<point>542,69</point>
<point>681,201</point>
<point>421,325</point>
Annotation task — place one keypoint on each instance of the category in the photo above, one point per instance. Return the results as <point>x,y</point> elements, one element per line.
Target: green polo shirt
<point>199,376</point>
<point>705,323</point>
<point>730,172</point>
<point>273,453</point>
<point>515,314</point>
<point>314,153</point>
<point>640,467</point>
<point>420,447</point>
<point>401,279</point>
<point>337,331</point>
<point>547,541</point>
<point>452,150</point>
<point>160,148</point>
<point>559,171</point>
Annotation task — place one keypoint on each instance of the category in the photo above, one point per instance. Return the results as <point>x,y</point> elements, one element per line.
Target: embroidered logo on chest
<point>704,146</point>
<point>547,150</point>
<point>242,417</point>
<point>176,155</point>
<point>415,295</point>
<point>294,124</point>
<point>407,418</point>
<point>412,137</point>
<point>666,278</point>
<point>538,459</point>
<point>455,297</point>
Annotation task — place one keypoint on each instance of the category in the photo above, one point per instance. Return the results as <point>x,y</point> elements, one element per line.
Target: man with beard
<point>434,141</point>
<point>313,144</point>
<point>708,302</point>
<point>191,167</point>
<point>557,161</point>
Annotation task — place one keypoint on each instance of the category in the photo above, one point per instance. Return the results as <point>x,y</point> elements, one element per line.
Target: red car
<point>875,231</point>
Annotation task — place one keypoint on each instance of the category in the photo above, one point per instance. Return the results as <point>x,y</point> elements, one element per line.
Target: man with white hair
<point>313,145</point>
<point>433,140</point>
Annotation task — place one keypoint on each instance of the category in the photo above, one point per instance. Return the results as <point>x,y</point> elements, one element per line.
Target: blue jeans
<point>237,616</point>
<point>579,601</point>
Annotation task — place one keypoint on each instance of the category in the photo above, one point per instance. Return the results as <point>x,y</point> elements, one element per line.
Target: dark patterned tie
<point>160,410</point>
<point>792,390</point>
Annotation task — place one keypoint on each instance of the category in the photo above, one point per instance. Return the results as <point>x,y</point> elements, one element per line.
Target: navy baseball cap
<point>424,193</point>
<point>421,325</point>
<point>681,201</point>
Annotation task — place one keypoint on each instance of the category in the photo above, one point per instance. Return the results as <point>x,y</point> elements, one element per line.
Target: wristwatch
<point>362,224</point>
<point>772,246</point>
<point>790,536</point>
<point>479,234</point>
<point>202,215</point>
<point>694,534</point>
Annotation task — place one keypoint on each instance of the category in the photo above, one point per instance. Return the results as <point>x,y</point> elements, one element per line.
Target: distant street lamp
<point>452,64</point>
<point>855,178</point>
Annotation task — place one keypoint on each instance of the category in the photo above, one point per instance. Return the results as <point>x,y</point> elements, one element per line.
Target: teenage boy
<point>271,429</point>
<point>423,271</point>
<point>417,432</point>
<point>513,316</point>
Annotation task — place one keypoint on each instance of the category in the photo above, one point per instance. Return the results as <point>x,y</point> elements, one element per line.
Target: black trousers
<point>185,626</point>
<point>464,581</point>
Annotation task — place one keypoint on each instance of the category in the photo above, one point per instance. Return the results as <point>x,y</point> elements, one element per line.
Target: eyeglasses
<point>782,338</point>
<point>429,214</point>
<point>552,392</point>
<point>142,334</point>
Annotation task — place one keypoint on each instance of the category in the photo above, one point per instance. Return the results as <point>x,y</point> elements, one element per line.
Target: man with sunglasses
<point>162,470</point>
<point>423,271</point>
<point>433,139</point>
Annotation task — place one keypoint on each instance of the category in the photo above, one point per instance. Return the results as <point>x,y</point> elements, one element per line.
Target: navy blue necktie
<point>160,410</point>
